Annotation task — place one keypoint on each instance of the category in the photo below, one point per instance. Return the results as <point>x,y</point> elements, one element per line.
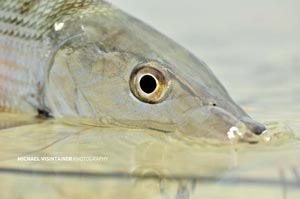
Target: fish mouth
<point>215,122</point>
<point>254,126</point>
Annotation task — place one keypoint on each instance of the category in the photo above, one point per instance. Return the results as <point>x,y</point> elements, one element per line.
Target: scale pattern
<point>24,24</point>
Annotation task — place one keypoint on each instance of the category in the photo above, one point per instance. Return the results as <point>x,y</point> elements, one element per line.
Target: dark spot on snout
<point>43,114</point>
<point>255,127</point>
<point>258,129</point>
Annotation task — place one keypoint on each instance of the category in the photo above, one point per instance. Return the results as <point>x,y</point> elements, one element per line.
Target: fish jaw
<point>216,123</point>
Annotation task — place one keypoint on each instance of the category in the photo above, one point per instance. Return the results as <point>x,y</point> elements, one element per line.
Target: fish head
<point>120,71</point>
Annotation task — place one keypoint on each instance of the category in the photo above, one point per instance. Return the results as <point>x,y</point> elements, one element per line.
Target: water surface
<point>253,47</point>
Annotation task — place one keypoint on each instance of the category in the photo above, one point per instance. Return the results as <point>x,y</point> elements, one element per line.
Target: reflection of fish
<point>85,58</point>
<point>141,163</point>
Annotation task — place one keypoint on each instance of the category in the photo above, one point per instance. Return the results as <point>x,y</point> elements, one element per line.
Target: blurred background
<point>252,46</point>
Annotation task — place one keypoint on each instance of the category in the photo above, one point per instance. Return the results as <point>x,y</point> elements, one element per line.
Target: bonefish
<point>88,59</point>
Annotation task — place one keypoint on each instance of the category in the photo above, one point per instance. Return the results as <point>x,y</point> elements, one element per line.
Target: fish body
<point>88,59</point>
<point>26,47</point>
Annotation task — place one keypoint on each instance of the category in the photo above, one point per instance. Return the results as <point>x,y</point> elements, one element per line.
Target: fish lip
<point>209,122</point>
<point>254,127</point>
<point>215,122</point>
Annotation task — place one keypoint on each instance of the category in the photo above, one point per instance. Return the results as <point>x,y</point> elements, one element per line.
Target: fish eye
<point>149,83</point>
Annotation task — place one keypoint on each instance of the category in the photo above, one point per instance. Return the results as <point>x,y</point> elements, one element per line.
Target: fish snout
<point>210,122</point>
<point>215,122</point>
<point>254,126</point>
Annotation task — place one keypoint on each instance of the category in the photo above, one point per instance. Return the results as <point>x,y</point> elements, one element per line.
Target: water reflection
<point>145,164</point>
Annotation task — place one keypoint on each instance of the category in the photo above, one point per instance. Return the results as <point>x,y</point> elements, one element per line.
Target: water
<point>144,164</point>
<point>253,47</point>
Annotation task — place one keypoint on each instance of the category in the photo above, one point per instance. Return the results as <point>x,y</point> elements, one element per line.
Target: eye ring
<point>150,83</point>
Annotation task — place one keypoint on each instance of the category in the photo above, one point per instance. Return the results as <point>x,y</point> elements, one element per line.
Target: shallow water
<point>253,47</point>
<point>141,163</point>
<point>144,164</point>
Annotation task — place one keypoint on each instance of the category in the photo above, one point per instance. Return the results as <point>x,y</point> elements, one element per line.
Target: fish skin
<point>74,59</point>
<point>25,48</point>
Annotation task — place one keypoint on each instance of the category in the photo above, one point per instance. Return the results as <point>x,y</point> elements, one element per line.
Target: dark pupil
<point>148,84</point>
